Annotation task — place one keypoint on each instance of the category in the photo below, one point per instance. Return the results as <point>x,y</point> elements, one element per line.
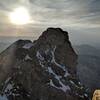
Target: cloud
<point>57,13</point>
<point>82,13</point>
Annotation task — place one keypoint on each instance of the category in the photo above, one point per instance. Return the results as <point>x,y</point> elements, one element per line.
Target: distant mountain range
<point>3,46</point>
<point>88,68</point>
<point>87,50</point>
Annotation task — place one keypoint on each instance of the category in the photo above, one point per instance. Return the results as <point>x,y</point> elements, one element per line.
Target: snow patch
<point>59,65</point>
<point>28,45</point>
<point>39,56</point>
<point>27,57</point>
<point>7,80</point>
<point>63,86</point>
<point>8,88</point>
<point>51,59</point>
<point>42,62</point>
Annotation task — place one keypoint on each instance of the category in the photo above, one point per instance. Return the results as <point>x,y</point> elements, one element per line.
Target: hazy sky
<point>80,17</point>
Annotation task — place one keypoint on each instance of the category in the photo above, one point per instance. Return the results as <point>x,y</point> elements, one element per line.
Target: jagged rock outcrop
<point>41,70</point>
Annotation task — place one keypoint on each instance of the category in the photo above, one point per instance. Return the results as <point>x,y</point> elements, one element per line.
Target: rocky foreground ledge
<point>41,70</point>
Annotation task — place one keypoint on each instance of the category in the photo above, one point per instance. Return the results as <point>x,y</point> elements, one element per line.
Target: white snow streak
<point>54,61</point>
<point>28,45</point>
<point>9,87</point>
<point>63,87</point>
<point>41,59</point>
<point>39,56</point>
<point>27,57</point>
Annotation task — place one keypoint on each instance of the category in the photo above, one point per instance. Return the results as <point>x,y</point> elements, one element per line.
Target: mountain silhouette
<point>44,69</point>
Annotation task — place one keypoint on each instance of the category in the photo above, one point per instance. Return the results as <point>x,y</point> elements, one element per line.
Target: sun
<point>19,16</point>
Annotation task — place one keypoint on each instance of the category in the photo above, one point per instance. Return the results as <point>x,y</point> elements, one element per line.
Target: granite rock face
<point>41,70</point>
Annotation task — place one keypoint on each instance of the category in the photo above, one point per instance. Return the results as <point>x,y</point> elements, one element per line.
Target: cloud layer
<point>75,14</point>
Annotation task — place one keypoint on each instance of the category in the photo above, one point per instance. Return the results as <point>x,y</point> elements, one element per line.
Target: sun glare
<point>19,16</point>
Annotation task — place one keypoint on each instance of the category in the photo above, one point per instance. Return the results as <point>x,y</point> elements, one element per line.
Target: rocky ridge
<point>41,70</point>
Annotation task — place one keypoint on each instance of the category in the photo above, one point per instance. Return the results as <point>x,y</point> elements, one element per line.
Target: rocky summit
<point>41,70</point>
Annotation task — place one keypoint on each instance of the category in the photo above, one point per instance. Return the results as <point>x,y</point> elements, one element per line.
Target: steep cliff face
<point>41,70</point>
